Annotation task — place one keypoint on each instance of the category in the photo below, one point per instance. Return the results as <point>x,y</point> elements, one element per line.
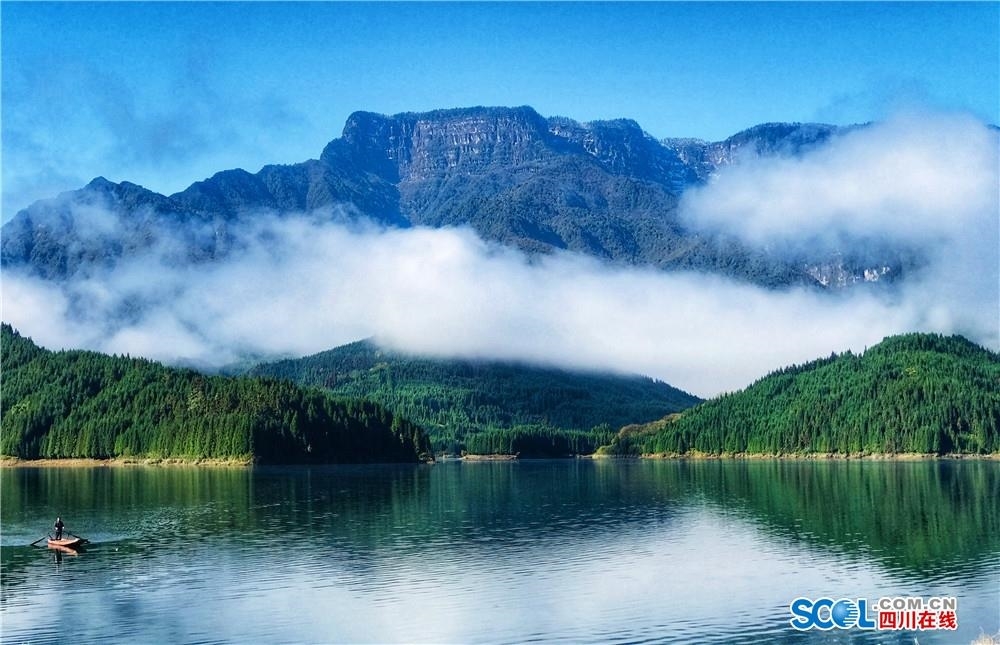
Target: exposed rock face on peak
<point>622,147</point>
<point>604,188</point>
<point>415,147</point>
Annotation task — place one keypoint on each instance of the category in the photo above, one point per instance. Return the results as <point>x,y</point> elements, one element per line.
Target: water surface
<point>547,551</point>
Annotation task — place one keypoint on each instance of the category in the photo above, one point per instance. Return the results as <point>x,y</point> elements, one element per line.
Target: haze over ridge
<point>295,282</point>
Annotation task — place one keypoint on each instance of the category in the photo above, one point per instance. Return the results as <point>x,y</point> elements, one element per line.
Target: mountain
<point>85,404</point>
<point>916,393</point>
<point>487,407</point>
<point>605,188</point>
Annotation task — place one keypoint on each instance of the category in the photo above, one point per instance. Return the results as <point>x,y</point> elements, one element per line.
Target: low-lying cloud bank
<point>914,178</point>
<point>301,285</point>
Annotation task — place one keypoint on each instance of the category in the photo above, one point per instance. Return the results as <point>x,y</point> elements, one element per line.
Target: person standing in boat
<point>59,528</point>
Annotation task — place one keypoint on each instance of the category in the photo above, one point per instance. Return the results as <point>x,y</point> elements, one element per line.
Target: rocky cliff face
<point>417,147</point>
<point>605,188</point>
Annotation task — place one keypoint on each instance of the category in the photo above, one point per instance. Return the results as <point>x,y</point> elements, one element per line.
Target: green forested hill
<point>488,407</point>
<point>85,404</point>
<point>916,393</point>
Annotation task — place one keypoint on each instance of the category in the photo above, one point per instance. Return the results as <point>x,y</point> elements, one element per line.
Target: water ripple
<point>551,552</point>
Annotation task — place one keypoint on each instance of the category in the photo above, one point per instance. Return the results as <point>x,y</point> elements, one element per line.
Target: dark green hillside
<point>85,404</point>
<point>917,393</point>
<point>488,407</point>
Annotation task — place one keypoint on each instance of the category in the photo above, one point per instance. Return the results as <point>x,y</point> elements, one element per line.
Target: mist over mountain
<point>496,233</point>
<point>453,400</point>
<point>605,189</point>
<point>914,393</point>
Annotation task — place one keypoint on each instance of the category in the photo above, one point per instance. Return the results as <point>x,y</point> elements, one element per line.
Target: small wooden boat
<point>72,543</point>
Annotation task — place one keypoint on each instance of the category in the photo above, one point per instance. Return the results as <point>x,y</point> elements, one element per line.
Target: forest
<point>914,393</point>
<point>88,405</point>
<point>538,441</point>
<point>488,407</point>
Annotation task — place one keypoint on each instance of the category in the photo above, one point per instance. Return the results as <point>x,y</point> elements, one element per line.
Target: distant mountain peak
<point>604,188</point>
<point>100,183</point>
<point>415,146</point>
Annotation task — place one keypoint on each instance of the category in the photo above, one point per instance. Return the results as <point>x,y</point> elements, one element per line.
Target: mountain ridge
<point>602,188</point>
<point>913,393</point>
<point>73,404</point>
<point>458,400</point>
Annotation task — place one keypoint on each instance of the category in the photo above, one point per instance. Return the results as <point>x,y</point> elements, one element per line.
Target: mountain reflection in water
<point>570,551</point>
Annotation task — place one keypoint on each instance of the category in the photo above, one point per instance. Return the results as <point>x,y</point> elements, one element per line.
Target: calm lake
<point>572,551</point>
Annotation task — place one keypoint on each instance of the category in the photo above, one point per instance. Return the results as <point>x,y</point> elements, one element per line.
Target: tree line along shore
<point>911,396</point>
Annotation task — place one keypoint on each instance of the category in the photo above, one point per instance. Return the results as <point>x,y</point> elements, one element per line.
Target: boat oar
<point>38,540</point>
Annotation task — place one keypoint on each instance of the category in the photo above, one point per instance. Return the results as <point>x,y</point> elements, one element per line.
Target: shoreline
<point>172,462</point>
<point>818,456</point>
<point>497,457</point>
<point>121,462</point>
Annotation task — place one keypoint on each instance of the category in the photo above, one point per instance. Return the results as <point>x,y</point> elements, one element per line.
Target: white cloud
<point>301,286</point>
<point>925,182</point>
<point>445,292</point>
<point>38,306</point>
<point>913,178</point>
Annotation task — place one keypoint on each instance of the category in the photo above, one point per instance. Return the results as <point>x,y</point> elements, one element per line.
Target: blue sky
<point>165,94</point>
